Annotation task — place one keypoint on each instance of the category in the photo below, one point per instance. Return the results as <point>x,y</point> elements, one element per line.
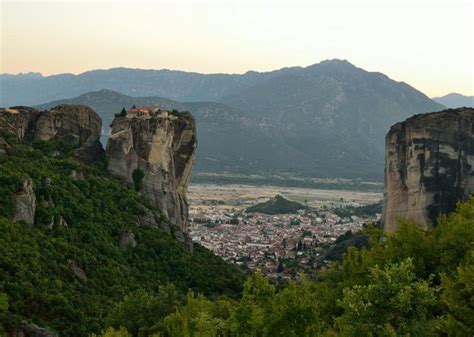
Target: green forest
<point>67,270</point>
<point>413,282</point>
<point>76,279</point>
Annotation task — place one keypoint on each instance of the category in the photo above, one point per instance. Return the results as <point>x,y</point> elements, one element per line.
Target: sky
<point>427,44</point>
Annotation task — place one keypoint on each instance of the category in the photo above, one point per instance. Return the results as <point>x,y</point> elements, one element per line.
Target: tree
<point>3,310</point>
<point>280,267</point>
<point>137,176</point>
<point>393,303</point>
<point>140,311</point>
<point>3,303</point>
<point>300,245</point>
<point>250,317</point>
<point>458,298</point>
<point>111,332</point>
<point>199,317</point>
<point>122,113</point>
<point>295,311</point>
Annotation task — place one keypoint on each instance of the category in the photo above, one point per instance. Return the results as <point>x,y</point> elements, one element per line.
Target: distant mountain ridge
<point>455,100</point>
<point>324,120</point>
<point>172,84</point>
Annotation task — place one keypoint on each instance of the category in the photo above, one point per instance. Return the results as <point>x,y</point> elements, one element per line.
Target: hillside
<point>455,100</point>
<point>360,211</point>
<point>333,112</point>
<point>276,205</point>
<point>90,244</point>
<point>274,122</point>
<point>412,282</point>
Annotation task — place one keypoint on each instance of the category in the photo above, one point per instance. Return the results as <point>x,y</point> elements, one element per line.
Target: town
<point>281,246</point>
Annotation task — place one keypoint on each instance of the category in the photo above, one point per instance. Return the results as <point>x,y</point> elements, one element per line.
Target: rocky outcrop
<point>127,240</point>
<point>155,151</point>
<point>25,203</point>
<point>429,166</point>
<point>152,149</point>
<point>33,330</point>
<point>4,147</point>
<point>77,271</point>
<point>76,125</point>
<point>19,120</point>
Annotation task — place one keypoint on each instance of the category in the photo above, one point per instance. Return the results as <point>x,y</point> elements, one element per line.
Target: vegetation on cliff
<point>68,269</point>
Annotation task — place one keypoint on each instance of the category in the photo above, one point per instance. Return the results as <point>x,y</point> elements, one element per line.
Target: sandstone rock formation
<point>76,125</point>
<point>429,166</point>
<point>25,203</point>
<point>4,147</point>
<point>33,330</point>
<point>155,151</point>
<point>127,240</point>
<point>19,120</point>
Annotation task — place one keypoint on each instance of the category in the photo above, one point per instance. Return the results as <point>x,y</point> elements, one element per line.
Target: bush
<point>137,176</point>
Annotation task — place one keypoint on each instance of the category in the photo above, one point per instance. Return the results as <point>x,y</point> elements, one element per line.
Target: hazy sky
<point>428,44</point>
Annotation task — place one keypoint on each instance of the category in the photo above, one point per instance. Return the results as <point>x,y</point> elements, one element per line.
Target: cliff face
<point>19,120</point>
<point>429,166</point>
<point>76,125</point>
<point>25,203</point>
<point>155,151</point>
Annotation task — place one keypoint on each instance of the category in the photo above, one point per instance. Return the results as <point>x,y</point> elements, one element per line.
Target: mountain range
<point>455,100</point>
<point>326,120</point>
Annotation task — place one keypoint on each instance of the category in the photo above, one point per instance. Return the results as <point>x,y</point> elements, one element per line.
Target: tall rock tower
<point>155,151</point>
<point>429,166</point>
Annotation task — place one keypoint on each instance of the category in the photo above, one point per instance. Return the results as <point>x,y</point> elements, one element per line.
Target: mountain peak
<point>29,75</point>
<point>104,94</point>
<point>333,66</point>
<point>335,63</point>
<point>455,100</point>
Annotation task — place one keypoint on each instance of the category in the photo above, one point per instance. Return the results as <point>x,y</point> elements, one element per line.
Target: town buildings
<point>281,246</point>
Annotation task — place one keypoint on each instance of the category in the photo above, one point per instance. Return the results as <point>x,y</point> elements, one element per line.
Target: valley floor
<point>280,245</point>
<point>239,196</point>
